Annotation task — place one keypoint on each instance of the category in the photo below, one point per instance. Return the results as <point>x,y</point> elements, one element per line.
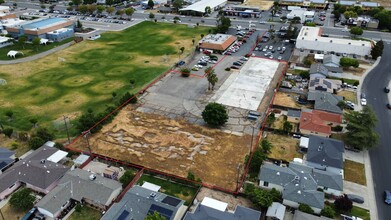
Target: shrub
<point>337,128</point>
<point>185,72</point>
<point>306,208</point>
<point>215,114</point>
<point>343,203</point>
<point>328,212</point>
<point>190,176</point>
<point>227,69</point>
<point>8,132</point>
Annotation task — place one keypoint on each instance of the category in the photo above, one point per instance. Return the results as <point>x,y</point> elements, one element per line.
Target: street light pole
<point>66,127</point>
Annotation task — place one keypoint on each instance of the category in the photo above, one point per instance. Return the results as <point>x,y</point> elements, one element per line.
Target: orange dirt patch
<point>171,146</point>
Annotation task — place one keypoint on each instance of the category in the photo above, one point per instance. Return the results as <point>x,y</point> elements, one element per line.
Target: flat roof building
<point>363,5</point>
<point>55,29</point>
<point>199,7</point>
<point>303,14</point>
<point>216,42</point>
<point>310,38</point>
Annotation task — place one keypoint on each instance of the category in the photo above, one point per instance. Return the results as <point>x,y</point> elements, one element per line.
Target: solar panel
<point>171,201</point>
<point>123,215</point>
<point>162,211</point>
<point>3,164</point>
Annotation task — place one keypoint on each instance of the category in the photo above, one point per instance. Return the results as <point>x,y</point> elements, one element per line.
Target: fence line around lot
<point>130,185</point>
<point>143,169</point>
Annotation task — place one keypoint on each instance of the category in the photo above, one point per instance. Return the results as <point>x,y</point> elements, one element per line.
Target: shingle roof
<point>311,122</point>
<point>328,179</point>
<point>334,69</point>
<point>325,101</point>
<point>323,84</point>
<point>137,202</point>
<point>31,171</point>
<point>325,151</point>
<point>204,212</point>
<point>304,216</point>
<point>294,113</point>
<point>76,185</point>
<point>319,69</point>
<point>330,59</point>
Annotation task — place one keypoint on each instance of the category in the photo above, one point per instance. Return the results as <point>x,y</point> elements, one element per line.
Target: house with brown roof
<point>216,42</point>
<point>318,122</point>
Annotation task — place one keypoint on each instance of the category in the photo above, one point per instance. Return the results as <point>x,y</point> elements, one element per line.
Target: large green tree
<point>177,4</point>
<point>343,203</point>
<point>215,114</point>
<point>356,31</point>
<point>377,50</point>
<point>22,200</point>
<point>350,14</point>
<point>347,62</point>
<point>151,4</point>
<point>126,178</point>
<point>361,132</point>
<point>223,24</point>
<point>260,197</point>
<point>129,12</point>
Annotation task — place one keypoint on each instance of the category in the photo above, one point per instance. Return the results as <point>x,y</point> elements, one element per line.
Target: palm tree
<point>213,80</point>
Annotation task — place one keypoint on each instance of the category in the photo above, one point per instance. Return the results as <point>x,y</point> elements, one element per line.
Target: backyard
<point>171,188</point>
<point>284,147</point>
<point>355,172</point>
<point>86,74</point>
<point>348,95</point>
<point>85,213</point>
<point>171,146</point>
<point>10,213</point>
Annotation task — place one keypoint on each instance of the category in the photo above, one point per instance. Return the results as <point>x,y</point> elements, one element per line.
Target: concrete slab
<point>246,89</point>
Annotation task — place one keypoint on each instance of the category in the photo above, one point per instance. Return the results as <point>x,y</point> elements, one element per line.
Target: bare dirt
<point>171,146</point>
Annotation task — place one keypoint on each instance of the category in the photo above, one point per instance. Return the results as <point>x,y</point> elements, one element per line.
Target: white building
<point>310,38</point>
<point>303,14</point>
<point>199,7</point>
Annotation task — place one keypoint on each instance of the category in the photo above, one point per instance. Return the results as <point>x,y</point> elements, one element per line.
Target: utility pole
<point>85,135</point>
<point>66,127</point>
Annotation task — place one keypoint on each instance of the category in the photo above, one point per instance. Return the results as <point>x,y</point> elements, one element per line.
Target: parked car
<point>181,63</point>
<point>244,58</point>
<point>298,136</point>
<point>387,197</point>
<point>355,198</point>
<point>279,58</point>
<point>278,48</point>
<point>270,47</point>
<point>386,89</point>
<point>207,52</point>
<point>236,64</point>
<point>363,102</point>
<point>388,106</point>
<point>234,67</point>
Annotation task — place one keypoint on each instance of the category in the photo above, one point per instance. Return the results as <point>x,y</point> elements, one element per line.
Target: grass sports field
<point>85,75</point>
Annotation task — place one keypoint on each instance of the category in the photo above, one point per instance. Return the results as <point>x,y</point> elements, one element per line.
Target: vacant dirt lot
<point>286,99</point>
<point>171,146</point>
<point>284,147</point>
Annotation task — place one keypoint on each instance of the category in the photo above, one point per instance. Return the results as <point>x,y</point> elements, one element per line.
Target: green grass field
<point>86,213</point>
<point>171,188</point>
<point>47,89</point>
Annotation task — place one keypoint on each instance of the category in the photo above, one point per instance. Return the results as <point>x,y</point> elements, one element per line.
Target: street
<point>373,85</point>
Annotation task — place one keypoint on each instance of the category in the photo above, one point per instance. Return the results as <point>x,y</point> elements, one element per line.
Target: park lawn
<point>86,213</point>
<point>171,188</point>
<point>89,72</point>
<point>355,172</point>
<point>29,49</point>
<point>284,147</point>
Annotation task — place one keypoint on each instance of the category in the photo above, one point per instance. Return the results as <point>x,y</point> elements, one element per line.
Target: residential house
<point>293,116</point>
<point>325,101</point>
<point>138,202</point>
<point>364,5</point>
<point>325,85</point>
<point>35,171</point>
<point>276,211</point>
<point>319,70</point>
<point>305,216</point>
<point>325,154</point>
<point>6,159</point>
<point>214,209</point>
<point>331,60</point>
<point>81,186</point>
<point>299,183</point>
<point>318,122</point>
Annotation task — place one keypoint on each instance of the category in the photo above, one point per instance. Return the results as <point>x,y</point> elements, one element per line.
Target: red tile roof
<point>316,121</point>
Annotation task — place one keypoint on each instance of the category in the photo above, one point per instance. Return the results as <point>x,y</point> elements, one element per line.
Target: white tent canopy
<point>13,53</point>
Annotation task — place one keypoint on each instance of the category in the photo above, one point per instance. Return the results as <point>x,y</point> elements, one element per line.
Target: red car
<point>207,52</point>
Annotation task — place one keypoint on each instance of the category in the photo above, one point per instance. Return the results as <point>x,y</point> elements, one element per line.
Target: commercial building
<point>216,42</point>
<point>363,5</point>
<point>242,11</point>
<point>310,39</point>
<point>305,3</point>
<point>54,29</point>
<point>5,13</point>
<point>303,14</point>
<point>198,8</point>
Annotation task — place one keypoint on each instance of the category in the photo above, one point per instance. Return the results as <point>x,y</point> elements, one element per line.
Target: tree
<point>114,94</point>
<point>287,127</point>
<point>132,82</point>
<point>306,208</point>
<point>356,31</point>
<point>120,12</point>
<point>126,178</point>
<point>22,40</point>
<point>343,203</point>
<point>129,12</point>
<point>8,132</point>
<point>177,4</point>
<point>36,42</point>
<point>185,72</point>
<point>34,121</point>
<point>260,197</point>
<point>360,127</point>
<point>270,119</point>
<point>22,200</point>
<point>100,9</point>
<point>212,77</point>
<point>266,146</point>
<point>377,50</point>
<point>208,10</point>
<point>328,212</point>
<point>35,143</point>
<point>76,2</point>
<point>110,10</point>
<point>350,14</point>
<point>256,161</point>
<point>91,8</point>
<point>190,176</point>
<point>44,134</point>
<point>83,9</point>
<point>9,114</point>
<point>2,2</point>
<point>155,216</point>
<point>151,4</point>
<point>151,15</point>
<point>79,24</point>
<point>347,62</point>
<point>86,121</point>
<point>182,49</point>
<point>193,41</point>
<point>223,24</point>
<point>215,114</point>
<point>276,7</point>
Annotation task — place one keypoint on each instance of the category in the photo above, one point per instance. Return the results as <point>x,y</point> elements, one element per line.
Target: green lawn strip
<point>360,212</point>
<point>29,49</point>
<point>89,81</point>
<point>355,172</point>
<point>171,188</point>
<point>86,213</point>
<point>348,81</point>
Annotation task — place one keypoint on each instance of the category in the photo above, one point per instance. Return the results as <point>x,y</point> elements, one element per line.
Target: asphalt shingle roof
<point>330,59</point>
<point>206,213</point>
<point>294,113</point>
<point>318,68</point>
<point>325,151</point>
<point>304,216</point>
<point>325,101</point>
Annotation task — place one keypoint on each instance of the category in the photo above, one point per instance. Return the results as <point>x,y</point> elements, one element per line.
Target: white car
<point>270,47</point>
<point>279,58</point>
<point>363,102</point>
